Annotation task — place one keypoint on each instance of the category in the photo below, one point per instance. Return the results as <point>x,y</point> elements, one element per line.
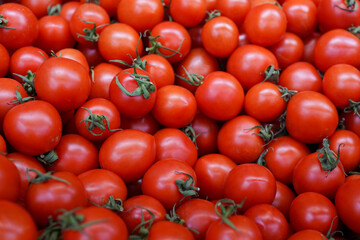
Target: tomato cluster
<point>177,119</point>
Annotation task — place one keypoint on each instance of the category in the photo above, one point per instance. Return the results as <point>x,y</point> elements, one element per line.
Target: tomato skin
<point>33,128</point>
<point>310,117</point>
<point>92,54</point>
<point>159,181</point>
<point>236,10</point>
<point>3,147</point>
<point>39,7</point>
<point>301,76</point>
<point>220,97</point>
<point>220,36</point>
<point>251,181</point>
<point>164,230</point>
<point>68,9</point>
<point>25,23</point>
<point>346,202</point>
<point>248,63</point>
<point>352,122</point>
<point>346,80</point>
<point>5,61</point>
<point>307,234</point>
<point>236,141</point>
<point>100,184</point>
<point>44,199</point>
<point>335,47</point>
<point>211,171</point>
<point>109,5</point>
<point>188,13</point>
<point>146,124</point>
<point>16,223</point>
<point>314,211</point>
<point>174,107</point>
<point>265,24</point>
<point>159,69</point>
<point>9,180</point>
<point>74,54</point>
<point>309,47</point>
<point>283,198</point>
<point>308,170</point>
<point>132,148</point>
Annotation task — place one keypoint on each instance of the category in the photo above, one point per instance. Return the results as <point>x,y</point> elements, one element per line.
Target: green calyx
<point>353,107</point>
<point>19,99</point>
<point>351,6</point>
<point>187,187</point>
<point>141,231</point>
<point>271,74</point>
<point>191,78</point>
<point>4,22</point>
<point>213,14</point>
<point>54,10</point>
<point>190,132</point>
<point>43,177</point>
<point>29,82</point>
<point>286,94</point>
<point>48,158</point>
<point>266,132</point>
<point>156,45</point>
<point>90,34</point>
<point>113,204</point>
<point>228,208</point>
<point>355,31</point>
<point>328,158</point>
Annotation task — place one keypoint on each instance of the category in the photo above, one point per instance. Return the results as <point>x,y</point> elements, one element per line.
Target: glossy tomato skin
<point>346,202</point>
<point>251,181</point>
<point>310,117</point>
<point>92,54</point>
<point>211,172</point>
<point>236,141</point>
<point>309,47</point>
<point>109,5</point>
<point>307,234</point>
<point>3,147</point>
<point>313,211</point>
<point>188,13</point>
<point>68,9</point>
<point>44,199</point>
<point>159,69</point>
<point>164,230</point>
<point>62,82</point>
<point>220,36</point>
<point>352,122</point>
<point>74,54</point>
<point>5,61</point>
<point>220,97</point>
<point>131,148</point>
<point>283,198</point>
<point>236,10</point>
<point>40,7</point>
<point>33,128</point>
<point>146,124</point>
<point>16,223</point>
<point>9,180</point>
<point>100,184</point>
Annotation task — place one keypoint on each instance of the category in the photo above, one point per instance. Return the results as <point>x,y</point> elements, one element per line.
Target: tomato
<point>87,22</point>
<point>248,64</point>
<point>100,184</point>
<point>146,124</point>
<point>220,97</point>
<point>314,211</point>
<point>311,117</point>
<point>118,41</point>
<point>238,141</point>
<point>131,148</point>
<point>170,35</point>
<point>5,61</point>
<point>103,74</point>
<point>265,24</point>
<point>3,146</point>
<point>303,11</point>
<point>309,47</point>
<point>174,107</point>
<point>161,179</point>
<point>270,221</point>
<point>256,3</point>
<point>301,76</point>
<point>307,234</point>
<point>197,214</point>
<point>97,119</point>
<point>195,34</point>
<point>159,69</point>
<point>236,10</point>
<point>352,122</point>
<point>220,36</point>
<point>54,34</point>
<point>33,127</point>
<point>335,47</point>
<point>25,59</point>
<point>264,102</point>
<point>40,7</point>
<point>164,230</point>
<point>173,143</point>
<point>252,182</point>
<point>92,54</point>
<point>288,50</point>
<point>346,80</point>
<point>62,82</point>
<point>9,179</point>
<point>68,9</point>
<point>141,15</point>
<point>188,14</point>
<point>15,222</point>
<point>20,27</point>
<point>211,172</point>
<point>138,206</point>
<point>247,229</point>
<point>44,199</point>
<point>95,220</point>
<point>109,5</point>
<point>346,202</point>
<point>74,54</point>
<point>283,198</point>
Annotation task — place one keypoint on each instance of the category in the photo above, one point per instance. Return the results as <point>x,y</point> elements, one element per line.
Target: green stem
<point>191,78</point>
<point>48,158</point>
<point>54,10</point>
<point>186,187</point>
<point>271,74</point>
<point>42,177</point>
<point>141,231</point>
<point>19,99</point>
<point>190,132</point>
<point>156,45</point>
<point>351,6</point>
<point>29,82</point>
<point>328,158</point>
<point>286,94</point>
<point>4,22</point>
<point>353,107</point>
<point>228,208</point>
<point>213,14</point>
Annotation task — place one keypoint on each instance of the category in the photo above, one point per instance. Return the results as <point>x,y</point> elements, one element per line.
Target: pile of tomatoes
<point>179,119</point>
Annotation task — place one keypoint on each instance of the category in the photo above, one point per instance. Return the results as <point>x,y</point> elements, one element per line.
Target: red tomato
<point>283,198</point>
<point>174,107</point>
<point>159,69</point>
<point>33,127</point>
<point>314,211</point>
<point>4,61</point>
<point>307,234</point>
<point>236,10</point>
<point>131,148</point>
<point>92,54</point>
<point>146,124</point>
<point>2,145</point>
<point>251,182</point>
<point>16,223</point>
<point>9,180</point>
<point>164,230</point>
<point>311,117</point>
<point>220,36</point>
<point>220,97</point>
<point>238,141</point>
<point>265,24</point>
<point>68,9</point>
<point>352,122</point>
<point>256,3</point>
<point>109,5</point>
<point>195,34</point>
<point>188,13</point>
<point>75,55</point>
<point>309,47</point>
<point>100,184</point>
<point>40,7</point>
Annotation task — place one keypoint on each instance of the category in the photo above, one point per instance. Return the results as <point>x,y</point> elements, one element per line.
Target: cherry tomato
<point>283,198</point>
<point>188,13</point>
<point>159,69</point>
<point>164,230</point>
<point>307,234</point>
<point>309,47</point>
<point>236,10</point>
<point>5,61</point>
<point>352,122</point>
<point>92,54</point>
<point>40,7</point>
<point>68,9</point>
<point>74,54</point>
<point>146,124</point>
<point>3,147</point>
<point>9,180</point>
<point>109,5</point>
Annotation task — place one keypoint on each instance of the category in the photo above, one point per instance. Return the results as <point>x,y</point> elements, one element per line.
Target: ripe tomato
<point>164,230</point>
<point>15,222</point>
<point>100,184</point>
<point>92,54</point>
<point>188,13</point>
<point>146,124</point>
<point>283,198</point>
<point>33,127</point>
<point>352,122</point>
<point>9,180</point>
<point>309,47</point>
<point>131,148</point>
<point>109,5</point>
<point>252,182</point>
<point>307,234</point>
<point>220,36</point>
<point>220,97</point>
<point>3,146</point>
<point>159,69</point>
<point>311,117</point>
<point>5,61</point>
<point>195,34</point>
<point>236,10</point>
<point>74,54</point>
<point>40,7</point>
<point>68,9</point>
